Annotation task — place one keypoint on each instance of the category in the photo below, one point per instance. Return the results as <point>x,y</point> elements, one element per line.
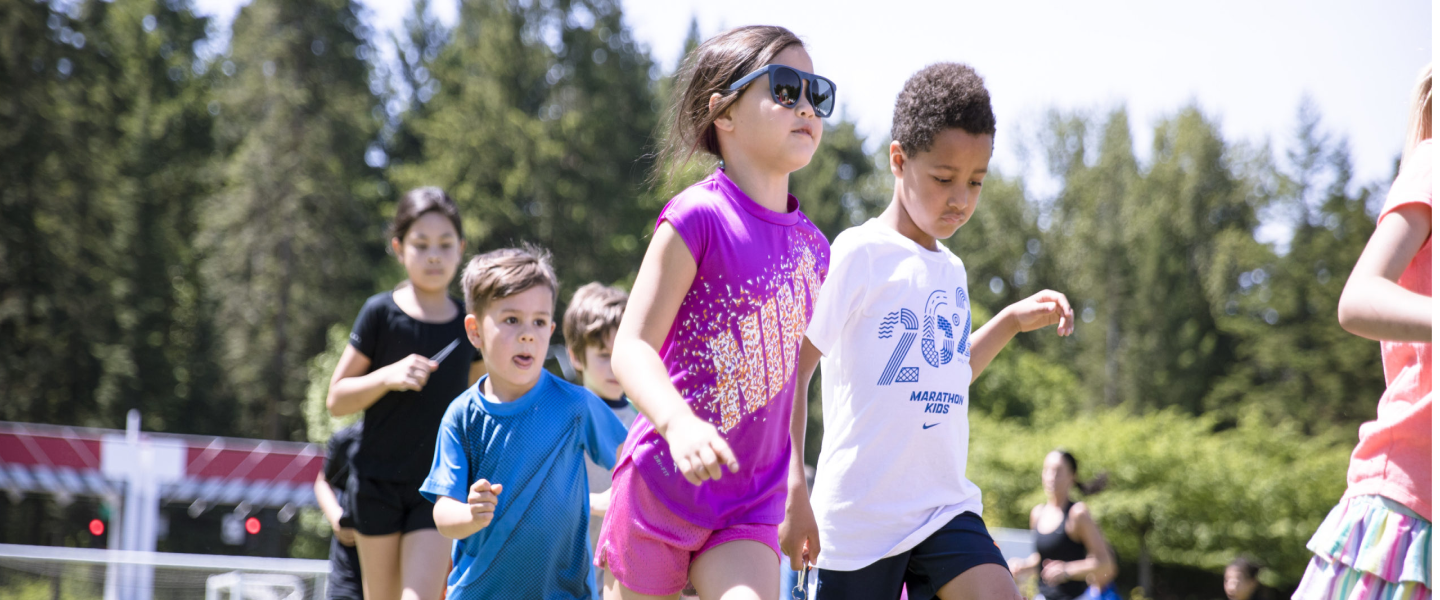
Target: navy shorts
<point>961,545</point>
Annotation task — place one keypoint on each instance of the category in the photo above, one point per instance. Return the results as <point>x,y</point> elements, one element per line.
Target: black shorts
<point>961,545</point>
<point>382,507</point>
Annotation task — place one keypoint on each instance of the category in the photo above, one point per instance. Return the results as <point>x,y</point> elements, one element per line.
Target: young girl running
<point>708,344</point>
<point>408,358</point>
<point>1375,545</point>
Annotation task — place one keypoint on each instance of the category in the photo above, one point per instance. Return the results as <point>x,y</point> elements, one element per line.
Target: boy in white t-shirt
<point>892,505</point>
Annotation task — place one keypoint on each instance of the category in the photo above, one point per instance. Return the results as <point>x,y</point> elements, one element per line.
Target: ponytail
<point>1095,485</point>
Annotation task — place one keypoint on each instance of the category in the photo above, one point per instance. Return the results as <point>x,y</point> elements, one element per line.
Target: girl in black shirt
<point>1069,547</point>
<point>408,358</point>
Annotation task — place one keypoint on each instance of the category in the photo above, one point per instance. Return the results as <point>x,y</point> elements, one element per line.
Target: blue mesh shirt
<point>536,545</point>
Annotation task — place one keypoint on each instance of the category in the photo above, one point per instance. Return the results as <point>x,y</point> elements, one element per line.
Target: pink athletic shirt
<point>1393,457</point>
<point>732,349</point>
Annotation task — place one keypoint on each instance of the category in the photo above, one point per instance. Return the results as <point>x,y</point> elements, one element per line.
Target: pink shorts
<point>649,548</point>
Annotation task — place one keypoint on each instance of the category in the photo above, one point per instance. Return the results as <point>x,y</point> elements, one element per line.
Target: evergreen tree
<point>291,237</point>
<point>539,127</point>
<point>110,126</point>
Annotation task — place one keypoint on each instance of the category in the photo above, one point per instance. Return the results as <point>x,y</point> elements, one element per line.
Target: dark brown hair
<point>594,313</point>
<point>419,201</point>
<point>939,97</point>
<point>709,69</point>
<point>505,272</point>
<point>1094,486</point>
<point>1248,566</point>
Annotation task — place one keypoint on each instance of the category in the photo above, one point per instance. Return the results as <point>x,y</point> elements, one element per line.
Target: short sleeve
<point>337,455</point>
<point>1412,186</point>
<point>363,336</point>
<point>450,469</point>
<point>692,214</point>
<point>841,294</point>
<point>603,431</point>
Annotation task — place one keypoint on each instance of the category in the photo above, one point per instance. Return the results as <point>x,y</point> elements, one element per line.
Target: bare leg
<point>379,565</point>
<point>424,562</point>
<point>985,582</point>
<point>614,590</point>
<point>738,570</point>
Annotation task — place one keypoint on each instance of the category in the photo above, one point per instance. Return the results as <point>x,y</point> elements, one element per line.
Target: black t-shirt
<point>339,451</point>
<point>345,582</point>
<point>398,440</point>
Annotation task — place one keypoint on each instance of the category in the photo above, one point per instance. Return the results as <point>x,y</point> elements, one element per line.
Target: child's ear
<point>578,362</point>
<point>396,246</point>
<point>897,159</point>
<point>472,330</point>
<point>722,122</point>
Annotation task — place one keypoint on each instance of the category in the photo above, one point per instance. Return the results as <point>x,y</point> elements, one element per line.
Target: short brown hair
<point>710,69</point>
<point>939,97</point>
<point>594,313</point>
<point>505,272</point>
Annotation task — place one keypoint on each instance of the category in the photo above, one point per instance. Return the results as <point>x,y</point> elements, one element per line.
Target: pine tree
<point>539,127</point>
<point>291,237</point>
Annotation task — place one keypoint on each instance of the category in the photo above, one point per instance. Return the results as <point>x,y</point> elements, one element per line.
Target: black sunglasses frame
<point>808,79</point>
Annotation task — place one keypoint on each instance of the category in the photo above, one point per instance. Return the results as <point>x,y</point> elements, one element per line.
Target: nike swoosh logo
<point>928,426</point>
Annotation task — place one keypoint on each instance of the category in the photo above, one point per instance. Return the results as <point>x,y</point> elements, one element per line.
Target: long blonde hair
<point>1418,129</point>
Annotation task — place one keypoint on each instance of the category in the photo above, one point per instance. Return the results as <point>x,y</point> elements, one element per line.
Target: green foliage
<point>319,425</point>
<point>1197,496</point>
<point>290,238</point>
<point>106,134</point>
<point>539,129</point>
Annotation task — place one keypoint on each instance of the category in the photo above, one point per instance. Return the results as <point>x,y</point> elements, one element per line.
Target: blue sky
<point>1246,63</point>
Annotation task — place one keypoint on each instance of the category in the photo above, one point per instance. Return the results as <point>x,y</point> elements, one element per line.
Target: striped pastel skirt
<point>1368,548</point>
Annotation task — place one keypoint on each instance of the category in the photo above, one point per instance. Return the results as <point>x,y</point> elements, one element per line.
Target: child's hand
<point>345,535</point>
<point>698,449</point>
<point>1045,308</point>
<point>799,535</point>
<point>409,373</point>
<point>482,501</point>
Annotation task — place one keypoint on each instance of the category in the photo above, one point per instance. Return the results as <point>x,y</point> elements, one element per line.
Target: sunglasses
<point>785,86</point>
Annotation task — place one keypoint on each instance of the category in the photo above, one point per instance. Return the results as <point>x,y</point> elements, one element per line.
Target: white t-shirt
<point>893,321</point>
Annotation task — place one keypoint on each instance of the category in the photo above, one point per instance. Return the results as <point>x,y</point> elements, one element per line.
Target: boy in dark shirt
<point>330,492</point>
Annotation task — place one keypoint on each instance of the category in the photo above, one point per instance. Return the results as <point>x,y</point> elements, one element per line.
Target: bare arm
<point>1373,305</point>
<point>799,534</point>
<point>1097,564</point>
<point>453,519</point>
<point>330,506</point>
<point>1040,310</point>
<point>1025,567</point>
<point>664,278</point>
<point>353,390</point>
<point>600,501</point>
<point>458,520</point>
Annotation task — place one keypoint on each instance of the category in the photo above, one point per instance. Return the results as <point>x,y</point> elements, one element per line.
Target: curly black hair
<point>938,97</point>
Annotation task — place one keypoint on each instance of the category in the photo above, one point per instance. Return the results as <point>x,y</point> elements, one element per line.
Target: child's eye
<point>511,320</point>
<point>977,183</point>
<point>541,322</point>
<point>942,180</point>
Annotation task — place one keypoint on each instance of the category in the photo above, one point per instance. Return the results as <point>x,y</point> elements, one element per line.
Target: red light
<point>252,525</point>
<point>97,527</point>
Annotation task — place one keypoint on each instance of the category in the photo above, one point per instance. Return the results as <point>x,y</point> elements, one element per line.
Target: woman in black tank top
<point>1070,551</point>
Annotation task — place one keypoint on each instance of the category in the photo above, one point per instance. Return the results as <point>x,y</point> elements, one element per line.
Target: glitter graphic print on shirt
<point>748,337</point>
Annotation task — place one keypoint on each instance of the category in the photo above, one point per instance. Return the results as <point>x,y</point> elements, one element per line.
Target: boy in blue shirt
<point>508,478</point>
